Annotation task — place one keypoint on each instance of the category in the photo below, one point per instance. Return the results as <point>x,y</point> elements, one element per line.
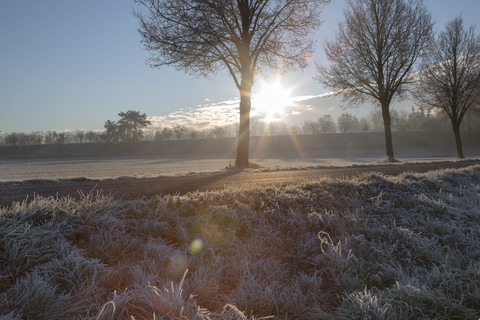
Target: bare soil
<point>132,188</point>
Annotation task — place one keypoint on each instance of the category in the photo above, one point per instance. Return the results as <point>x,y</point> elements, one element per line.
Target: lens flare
<point>196,246</point>
<point>176,266</point>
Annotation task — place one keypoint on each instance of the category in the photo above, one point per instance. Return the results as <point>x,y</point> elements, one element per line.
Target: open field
<point>175,158</point>
<point>370,247</point>
<point>134,188</point>
<point>180,165</point>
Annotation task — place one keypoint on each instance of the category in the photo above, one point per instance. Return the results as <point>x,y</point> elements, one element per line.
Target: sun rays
<point>272,99</point>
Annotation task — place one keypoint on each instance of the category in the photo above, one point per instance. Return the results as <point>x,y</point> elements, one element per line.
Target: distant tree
<point>376,121</point>
<point>277,129</point>
<point>34,138</point>
<point>219,132</point>
<point>61,138</point>
<point>326,124</point>
<point>428,120</point>
<point>255,126</point>
<point>37,137</point>
<point>414,119</point>
<point>91,136</point>
<point>131,124</point>
<point>347,122</point>
<point>50,137</point>
<point>80,135</point>
<point>23,138</point>
<point>203,36</point>
<point>11,138</point>
<point>128,128</point>
<point>294,130</point>
<point>193,133</point>
<point>399,120</point>
<point>158,135</point>
<point>180,132</point>
<point>365,124</point>
<point>450,77</point>
<point>167,133</point>
<point>310,126</point>
<point>111,131</point>
<point>375,51</point>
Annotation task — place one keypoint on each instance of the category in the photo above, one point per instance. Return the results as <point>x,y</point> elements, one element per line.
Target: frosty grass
<point>371,247</point>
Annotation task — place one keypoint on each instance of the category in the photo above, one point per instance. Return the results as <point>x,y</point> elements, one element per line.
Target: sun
<point>272,100</point>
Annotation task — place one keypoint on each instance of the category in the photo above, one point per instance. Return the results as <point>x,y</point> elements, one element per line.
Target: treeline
<point>415,120</point>
<point>122,131</point>
<point>98,136</point>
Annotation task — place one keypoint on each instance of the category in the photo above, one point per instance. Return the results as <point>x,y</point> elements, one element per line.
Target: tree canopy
<point>128,128</point>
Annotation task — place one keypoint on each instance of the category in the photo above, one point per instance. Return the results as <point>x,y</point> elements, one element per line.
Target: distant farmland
<point>260,146</point>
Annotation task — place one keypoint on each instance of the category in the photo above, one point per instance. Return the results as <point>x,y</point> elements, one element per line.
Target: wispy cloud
<point>308,107</point>
<point>202,116</point>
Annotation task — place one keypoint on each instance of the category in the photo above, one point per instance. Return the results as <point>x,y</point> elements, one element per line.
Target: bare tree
<point>326,124</point>
<point>376,121</point>
<point>219,132</point>
<point>365,125</point>
<point>374,52</point>
<point>450,77</point>
<point>61,138</point>
<point>37,137</point>
<point>50,137</point>
<point>91,136</point>
<point>310,126</point>
<point>243,37</point>
<point>180,132</point>
<point>80,135</point>
<point>347,122</point>
<point>167,133</point>
<point>11,138</point>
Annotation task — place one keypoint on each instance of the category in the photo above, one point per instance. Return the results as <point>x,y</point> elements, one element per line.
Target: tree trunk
<point>244,127</point>
<point>458,139</point>
<point>387,124</point>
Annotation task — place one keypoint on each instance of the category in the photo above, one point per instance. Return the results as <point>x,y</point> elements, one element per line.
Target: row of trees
<point>376,53</point>
<point>51,137</point>
<point>415,120</point>
<point>378,47</point>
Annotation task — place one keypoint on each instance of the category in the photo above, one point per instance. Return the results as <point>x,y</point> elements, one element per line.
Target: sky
<point>68,64</point>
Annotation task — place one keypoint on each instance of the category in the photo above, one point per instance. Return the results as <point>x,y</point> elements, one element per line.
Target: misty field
<point>149,166</point>
<point>371,247</point>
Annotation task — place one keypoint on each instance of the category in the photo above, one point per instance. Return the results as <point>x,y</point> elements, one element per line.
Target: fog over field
<point>176,165</point>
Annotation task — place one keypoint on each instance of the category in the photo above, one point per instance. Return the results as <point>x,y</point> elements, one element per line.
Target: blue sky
<point>69,64</point>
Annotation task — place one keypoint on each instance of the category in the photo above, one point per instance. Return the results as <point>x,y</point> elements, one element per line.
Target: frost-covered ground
<point>104,168</point>
<point>371,247</point>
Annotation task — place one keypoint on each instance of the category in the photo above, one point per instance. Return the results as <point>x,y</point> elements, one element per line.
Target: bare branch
<point>450,76</point>
<point>375,51</point>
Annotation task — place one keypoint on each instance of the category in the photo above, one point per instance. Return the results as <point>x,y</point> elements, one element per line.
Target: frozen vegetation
<point>373,247</point>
